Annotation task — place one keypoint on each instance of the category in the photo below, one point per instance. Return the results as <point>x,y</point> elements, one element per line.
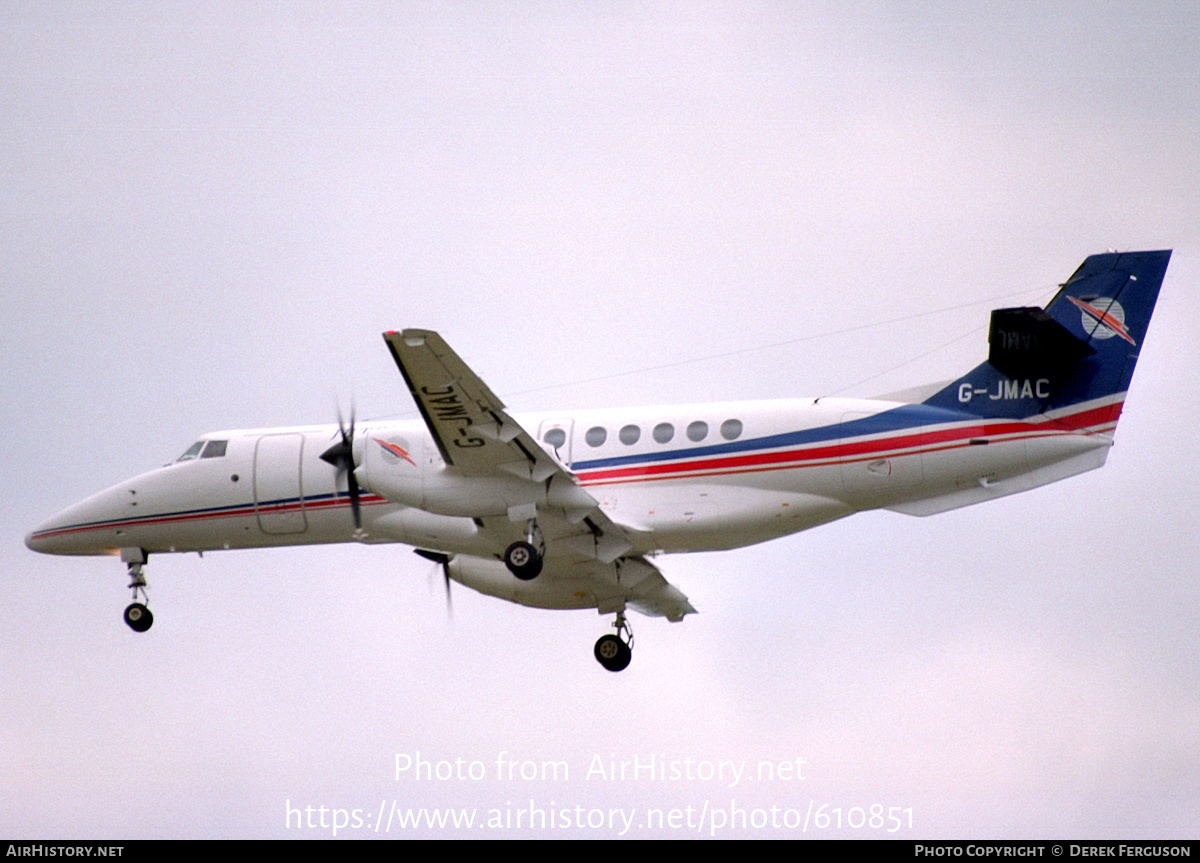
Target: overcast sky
<point>209,213</point>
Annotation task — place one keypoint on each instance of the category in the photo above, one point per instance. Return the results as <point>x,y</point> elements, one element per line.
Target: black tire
<point>138,617</point>
<point>613,653</point>
<point>523,560</point>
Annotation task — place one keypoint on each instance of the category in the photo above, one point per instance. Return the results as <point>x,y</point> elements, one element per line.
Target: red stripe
<point>242,511</point>
<point>861,450</point>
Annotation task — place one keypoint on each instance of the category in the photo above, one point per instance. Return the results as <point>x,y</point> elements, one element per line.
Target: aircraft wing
<point>468,422</point>
<point>477,437</point>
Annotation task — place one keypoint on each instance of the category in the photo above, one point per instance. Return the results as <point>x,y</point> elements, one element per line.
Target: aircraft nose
<point>100,524</point>
<point>42,538</point>
<point>74,530</point>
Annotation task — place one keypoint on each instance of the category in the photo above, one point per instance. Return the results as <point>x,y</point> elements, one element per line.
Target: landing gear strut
<point>524,557</point>
<point>137,615</point>
<point>615,651</point>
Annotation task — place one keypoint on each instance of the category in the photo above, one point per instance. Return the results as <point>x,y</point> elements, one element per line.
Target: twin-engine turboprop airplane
<point>567,510</point>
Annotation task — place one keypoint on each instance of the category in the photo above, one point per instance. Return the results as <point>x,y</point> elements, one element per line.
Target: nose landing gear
<point>137,615</point>
<point>613,651</point>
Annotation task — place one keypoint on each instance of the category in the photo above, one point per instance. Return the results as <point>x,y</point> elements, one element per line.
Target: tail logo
<point>1103,318</point>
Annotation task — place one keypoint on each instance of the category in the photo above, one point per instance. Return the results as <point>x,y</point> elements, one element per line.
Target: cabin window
<point>555,437</point>
<point>214,449</point>
<point>192,452</point>
<point>629,434</point>
<point>663,432</point>
<point>697,431</point>
<point>731,429</point>
<point>596,436</point>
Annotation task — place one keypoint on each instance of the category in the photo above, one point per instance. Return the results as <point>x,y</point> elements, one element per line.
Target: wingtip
<point>412,338</point>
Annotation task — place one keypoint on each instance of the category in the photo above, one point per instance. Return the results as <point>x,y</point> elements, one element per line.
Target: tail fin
<point>1073,360</point>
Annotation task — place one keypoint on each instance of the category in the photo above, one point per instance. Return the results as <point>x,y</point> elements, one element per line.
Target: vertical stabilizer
<point>1074,359</point>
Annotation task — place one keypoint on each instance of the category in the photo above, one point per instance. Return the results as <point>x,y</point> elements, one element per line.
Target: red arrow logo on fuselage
<point>396,450</point>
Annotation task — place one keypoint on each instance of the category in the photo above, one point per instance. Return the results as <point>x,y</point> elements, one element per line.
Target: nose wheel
<point>614,651</point>
<point>137,615</point>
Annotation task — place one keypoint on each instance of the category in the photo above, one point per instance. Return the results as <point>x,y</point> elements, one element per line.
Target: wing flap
<point>630,582</point>
<point>604,547</point>
<point>534,471</point>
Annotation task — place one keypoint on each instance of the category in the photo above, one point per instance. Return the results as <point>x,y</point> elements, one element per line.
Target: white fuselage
<point>683,478</point>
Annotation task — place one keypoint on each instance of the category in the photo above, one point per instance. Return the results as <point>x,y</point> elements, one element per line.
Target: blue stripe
<point>249,508</point>
<point>897,419</point>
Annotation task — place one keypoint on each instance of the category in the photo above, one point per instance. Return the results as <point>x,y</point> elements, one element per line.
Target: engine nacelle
<point>492,578</point>
<point>408,474</point>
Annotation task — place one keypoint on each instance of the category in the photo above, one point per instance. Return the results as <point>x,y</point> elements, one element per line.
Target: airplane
<point>571,510</point>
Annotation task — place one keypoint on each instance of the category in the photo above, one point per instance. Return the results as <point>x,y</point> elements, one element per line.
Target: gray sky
<point>209,215</point>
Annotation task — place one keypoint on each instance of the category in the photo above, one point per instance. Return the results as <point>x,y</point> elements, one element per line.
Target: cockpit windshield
<point>204,449</point>
<point>192,452</point>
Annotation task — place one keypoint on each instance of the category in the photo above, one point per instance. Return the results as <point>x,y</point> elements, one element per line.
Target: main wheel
<point>138,617</point>
<point>523,560</point>
<point>613,653</point>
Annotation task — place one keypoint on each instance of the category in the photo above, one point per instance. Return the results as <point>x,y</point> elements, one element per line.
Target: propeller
<point>442,560</point>
<point>341,456</point>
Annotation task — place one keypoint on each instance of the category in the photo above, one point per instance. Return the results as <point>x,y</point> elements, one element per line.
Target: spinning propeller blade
<point>444,561</point>
<point>341,456</point>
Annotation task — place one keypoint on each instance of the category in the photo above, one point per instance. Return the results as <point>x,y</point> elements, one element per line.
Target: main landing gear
<point>524,560</point>
<point>137,615</point>
<point>615,651</point>
<point>524,557</point>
